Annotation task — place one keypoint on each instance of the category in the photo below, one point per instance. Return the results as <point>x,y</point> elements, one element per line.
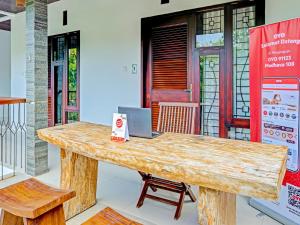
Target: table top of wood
<point>31,198</point>
<point>240,167</point>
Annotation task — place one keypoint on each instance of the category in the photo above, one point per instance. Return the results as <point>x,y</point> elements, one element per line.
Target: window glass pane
<point>58,85</point>
<point>209,78</point>
<point>243,19</point>
<point>72,72</point>
<point>72,117</point>
<point>210,29</point>
<point>239,134</point>
<point>58,49</point>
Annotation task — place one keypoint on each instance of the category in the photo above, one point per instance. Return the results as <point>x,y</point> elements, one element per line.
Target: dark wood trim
<point>228,44</point>
<point>51,91</point>
<point>260,12</point>
<point>194,69</point>
<point>239,123</point>
<point>223,103</point>
<point>146,67</point>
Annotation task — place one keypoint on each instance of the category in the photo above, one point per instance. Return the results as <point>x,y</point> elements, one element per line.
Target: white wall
<point>18,56</point>
<point>110,41</point>
<point>278,10</point>
<point>5,63</point>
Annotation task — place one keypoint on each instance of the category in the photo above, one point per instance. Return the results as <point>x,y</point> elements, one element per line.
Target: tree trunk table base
<point>78,173</point>
<point>216,207</point>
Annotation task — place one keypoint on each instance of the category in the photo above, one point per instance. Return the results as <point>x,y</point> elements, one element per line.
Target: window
<point>211,29</point>
<point>226,29</point>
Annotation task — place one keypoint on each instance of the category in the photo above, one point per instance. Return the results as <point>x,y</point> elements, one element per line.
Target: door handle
<point>190,91</point>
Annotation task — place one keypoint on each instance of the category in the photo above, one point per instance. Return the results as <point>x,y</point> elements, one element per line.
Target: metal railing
<point>12,136</point>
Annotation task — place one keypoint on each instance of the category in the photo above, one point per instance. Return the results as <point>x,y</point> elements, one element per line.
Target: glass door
<point>58,93</point>
<point>222,42</point>
<point>212,111</point>
<point>210,94</point>
<point>63,83</point>
<point>72,80</point>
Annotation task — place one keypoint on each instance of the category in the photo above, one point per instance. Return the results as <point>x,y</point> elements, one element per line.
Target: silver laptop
<point>139,122</point>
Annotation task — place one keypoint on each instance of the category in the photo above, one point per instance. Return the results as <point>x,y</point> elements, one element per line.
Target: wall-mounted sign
<point>119,128</point>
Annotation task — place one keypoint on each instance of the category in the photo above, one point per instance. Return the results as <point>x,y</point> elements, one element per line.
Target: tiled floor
<point>119,188</point>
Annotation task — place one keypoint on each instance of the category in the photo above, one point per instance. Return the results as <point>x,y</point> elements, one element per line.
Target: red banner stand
<point>274,99</point>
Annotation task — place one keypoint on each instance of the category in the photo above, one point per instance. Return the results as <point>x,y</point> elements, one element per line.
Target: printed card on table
<point>120,128</point>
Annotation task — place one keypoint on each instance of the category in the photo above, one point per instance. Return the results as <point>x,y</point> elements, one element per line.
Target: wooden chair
<point>109,216</point>
<point>177,118</point>
<point>33,203</point>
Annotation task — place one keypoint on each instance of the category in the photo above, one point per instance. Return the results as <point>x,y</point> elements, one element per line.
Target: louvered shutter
<point>169,63</point>
<point>169,55</point>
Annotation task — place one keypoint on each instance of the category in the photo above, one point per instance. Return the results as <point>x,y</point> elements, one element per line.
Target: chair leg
<point>143,195</point>
<point>147,177</point>
<point>7,218</point>
<point>190,193</point>
<point>179,206</point>
<point>53,217</point>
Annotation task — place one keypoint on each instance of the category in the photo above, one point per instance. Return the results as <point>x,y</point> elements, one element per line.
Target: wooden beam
<point>20,3</point>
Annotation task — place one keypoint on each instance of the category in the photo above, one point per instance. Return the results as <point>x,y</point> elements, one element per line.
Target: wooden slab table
<point>221,168</point>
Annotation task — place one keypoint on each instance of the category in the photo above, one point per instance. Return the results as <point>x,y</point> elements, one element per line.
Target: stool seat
<point>109,217</point>
<point>31,198</point>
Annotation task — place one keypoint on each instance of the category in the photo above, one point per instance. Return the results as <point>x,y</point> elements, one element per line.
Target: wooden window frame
<point>64,63</point>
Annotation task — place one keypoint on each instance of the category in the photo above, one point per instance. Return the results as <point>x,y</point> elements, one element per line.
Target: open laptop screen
<point>139,121</point>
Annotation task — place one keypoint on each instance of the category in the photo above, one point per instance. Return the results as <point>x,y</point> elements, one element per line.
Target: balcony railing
<point>12,136</point>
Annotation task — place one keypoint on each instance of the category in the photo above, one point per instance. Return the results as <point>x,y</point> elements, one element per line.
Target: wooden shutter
<point>155,114</point>
<point>169,55</point>
<point>169,62</point>
<point>50,88</point>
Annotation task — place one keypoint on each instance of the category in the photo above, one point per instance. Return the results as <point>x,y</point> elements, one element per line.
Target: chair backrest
<point>177,117</point>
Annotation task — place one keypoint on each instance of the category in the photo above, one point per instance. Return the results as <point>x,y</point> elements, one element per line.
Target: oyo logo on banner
<point>119,128</point>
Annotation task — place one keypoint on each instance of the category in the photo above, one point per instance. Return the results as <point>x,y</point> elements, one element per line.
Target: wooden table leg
<point>216,207</point>
<point>78,173</point>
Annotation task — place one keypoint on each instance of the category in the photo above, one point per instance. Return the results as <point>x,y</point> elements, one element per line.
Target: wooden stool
<point>33,203</point>
<point>109,217</point>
